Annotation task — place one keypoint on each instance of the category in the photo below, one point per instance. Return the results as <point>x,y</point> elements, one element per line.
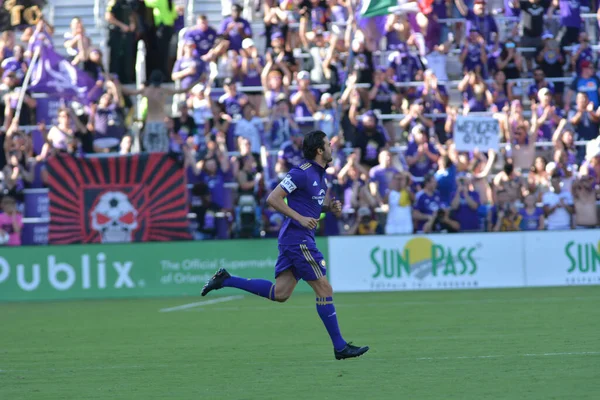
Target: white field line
<point>406,303</point>
<point>310,364</point>
<point>201,303</point>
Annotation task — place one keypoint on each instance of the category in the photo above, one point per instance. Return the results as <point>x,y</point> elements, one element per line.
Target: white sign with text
<point>472,133</point>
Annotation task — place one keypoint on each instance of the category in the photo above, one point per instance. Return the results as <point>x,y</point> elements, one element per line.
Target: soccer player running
<point>305,187</point>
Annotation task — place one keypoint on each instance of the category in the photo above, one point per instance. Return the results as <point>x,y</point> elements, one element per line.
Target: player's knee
<point>323,288</point>
<point>282,295</point>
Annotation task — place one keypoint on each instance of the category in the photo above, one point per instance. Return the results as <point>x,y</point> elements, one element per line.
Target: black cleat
<point>350,351</point>
<point>216,282</point>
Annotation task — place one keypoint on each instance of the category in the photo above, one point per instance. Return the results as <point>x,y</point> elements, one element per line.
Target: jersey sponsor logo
<point>320,198</point>
<point>288,184</point>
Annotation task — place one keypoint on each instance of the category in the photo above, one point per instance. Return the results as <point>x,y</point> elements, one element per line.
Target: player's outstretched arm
<point>277,200</point>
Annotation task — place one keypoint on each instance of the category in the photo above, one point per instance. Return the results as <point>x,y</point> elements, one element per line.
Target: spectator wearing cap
<point>249,69</point>
<point>570,21</point>
<point>202,34</point>
<point>465,204</point>
<point>558,205</point>
<point>251,127</point>
<point>545,116</point>
<point>281,125</point>
<point>532,17</point>
<point>585,118</point>
<point>305,101</point>
<point>16,63</point>
<point>188,68</point>
<point>550,59</point>
<point>121,29</point>
<point>582,53</point>
<point>165,14</point>
<point>279,56</point>
<point>235,28</point>
<point>383,96</point>
<point>479,19</point>
<point>586,82</point>
<point>371,138</point>
<point>326,118</point>
<point>421,155</point>
<point>200,104</point>
<point>473,54</point>
<point>290,154</point>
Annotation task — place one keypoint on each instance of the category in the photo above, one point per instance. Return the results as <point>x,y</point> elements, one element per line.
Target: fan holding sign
<point>476,132</point>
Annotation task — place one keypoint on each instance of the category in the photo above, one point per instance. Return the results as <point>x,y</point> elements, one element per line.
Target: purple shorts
<point>305,261</point>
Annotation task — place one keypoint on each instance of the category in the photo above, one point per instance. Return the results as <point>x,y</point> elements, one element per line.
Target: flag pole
<point>26,80</point>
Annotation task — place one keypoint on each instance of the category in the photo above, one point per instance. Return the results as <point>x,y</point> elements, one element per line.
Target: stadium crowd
<point>379,88</point>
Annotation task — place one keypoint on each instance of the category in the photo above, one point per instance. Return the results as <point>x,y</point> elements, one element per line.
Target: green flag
<point>374,8</point>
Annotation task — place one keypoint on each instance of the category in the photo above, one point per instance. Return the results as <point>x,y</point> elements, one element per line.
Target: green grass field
<point>484,344</point>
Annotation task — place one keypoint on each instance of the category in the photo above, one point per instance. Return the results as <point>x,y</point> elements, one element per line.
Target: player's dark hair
<point>312,142</point>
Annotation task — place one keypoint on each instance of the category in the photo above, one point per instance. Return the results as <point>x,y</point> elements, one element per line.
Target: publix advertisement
<point>130,270</point>
<point>391,263</point>
<point>563,258</point>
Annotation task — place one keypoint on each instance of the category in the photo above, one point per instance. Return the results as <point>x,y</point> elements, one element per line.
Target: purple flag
<point>53,74</point>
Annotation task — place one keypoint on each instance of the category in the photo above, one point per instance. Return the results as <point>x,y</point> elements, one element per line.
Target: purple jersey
<point>424,164</point>
<point>301,110</point>
<point>405,66</point>
<point>473,58</point>
<point>236,34</point>
<point>570,13</point>
<point>252,77</point>
<point>383,176</point>
<point>510,10</point>
<point>216,185</point>
<point>431,102</point>
<point>531,222</point>
<point>427,205</point>
<point>231,105</point>
<point>306,187</point>
<point>465,215</point>
<point>485,24</point>
<point>290,154</point>
<point>184,63</point>
<point>204,40</point>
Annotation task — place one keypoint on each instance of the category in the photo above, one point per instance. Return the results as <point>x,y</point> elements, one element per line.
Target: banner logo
<point>114,217</point>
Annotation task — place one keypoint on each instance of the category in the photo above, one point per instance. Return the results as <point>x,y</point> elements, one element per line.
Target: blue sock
<point>259,287</point>
<point>326,311</point>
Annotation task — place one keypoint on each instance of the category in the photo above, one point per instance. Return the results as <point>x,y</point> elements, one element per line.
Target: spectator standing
<point>479,19</point>
<point>11,221</point>
<point>545,117</point>
<point>251,127</point>
<point>532,216</point>
<point>165,14</point>
<point>16,63</point>
<point>11,100</point>
<point>558,205</point>
<point>570,20</point>
<point>305,101</point>
<point>121,30</point>
<point>281,125</point>
<point>249,69</point>
<point>465,204</point>
<point>586,82</point>
<point>421,155</point>
<point>430,212</point>
<point>585,118</point>
<point>539,83</point>
<point>550,59</point>
<point>582,52</point>
<point>370,138</point>
<point>381,175</point>
<point>231,104</point>
<point>584,203</point>
<point>188,68</point>
<point>202,34</point>
<point>76,42</point>
<point>383,95</point>
<point>235,28</point>
<point>532,18</point>
<point>399,199</point>
<point>108,121</point>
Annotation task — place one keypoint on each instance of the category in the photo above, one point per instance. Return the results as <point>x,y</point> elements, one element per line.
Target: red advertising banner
<point>137,198</point>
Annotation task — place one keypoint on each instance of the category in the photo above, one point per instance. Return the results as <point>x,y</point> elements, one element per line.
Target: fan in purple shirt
<point>583,52</point>
<point>421,155</point>
<point>464,205</point>
<point>214,178</point>
<point>235,28</point>
<point>382,174</point>
<point>202,35</point>
<point>290,154</point>
<point>479,19</point>
<point>305,100</point>
<point>428,203</point>
<point>570,21</point>
<point>188,69</point>
<point>16,63</point>
<point>301,197</point>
